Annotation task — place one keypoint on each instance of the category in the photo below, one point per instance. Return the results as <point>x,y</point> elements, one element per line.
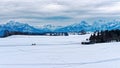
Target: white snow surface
<point>57,52</point>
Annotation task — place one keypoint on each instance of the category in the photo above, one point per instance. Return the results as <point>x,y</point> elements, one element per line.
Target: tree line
<point>9,33</point>
<point>104,36</point>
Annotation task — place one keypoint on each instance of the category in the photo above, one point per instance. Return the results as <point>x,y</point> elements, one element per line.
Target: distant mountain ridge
<point>13,26</point>
<point>77,27</point>
<point>96,26</point>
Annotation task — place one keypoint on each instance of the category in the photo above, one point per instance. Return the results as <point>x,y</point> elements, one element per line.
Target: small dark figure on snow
<point>33,44</point>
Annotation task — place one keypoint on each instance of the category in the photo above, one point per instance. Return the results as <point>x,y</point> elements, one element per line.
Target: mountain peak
<point>83,22</point>
<point>14,23</point>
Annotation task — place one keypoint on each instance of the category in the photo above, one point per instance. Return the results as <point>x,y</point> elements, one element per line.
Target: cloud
<point>53,8</point>
<point>112,8</point>
<point>54,11</point>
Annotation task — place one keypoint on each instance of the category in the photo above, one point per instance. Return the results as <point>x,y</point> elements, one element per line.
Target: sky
<point>57,12</point>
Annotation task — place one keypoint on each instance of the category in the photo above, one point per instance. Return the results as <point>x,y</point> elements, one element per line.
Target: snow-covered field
<point>57,52</point>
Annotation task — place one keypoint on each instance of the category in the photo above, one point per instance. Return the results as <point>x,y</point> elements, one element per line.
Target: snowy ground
<point>57,52</point>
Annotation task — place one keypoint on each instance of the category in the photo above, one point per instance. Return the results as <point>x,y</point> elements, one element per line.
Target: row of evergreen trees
<point>9,33</point>
<point>105,36</point>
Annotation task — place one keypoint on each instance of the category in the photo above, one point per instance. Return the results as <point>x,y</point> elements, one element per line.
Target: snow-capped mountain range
<point>77,27</point>
<point>20,27</point>
<point>96,26</point>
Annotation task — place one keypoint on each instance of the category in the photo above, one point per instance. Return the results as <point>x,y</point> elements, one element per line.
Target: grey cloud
<point>54,11</point>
